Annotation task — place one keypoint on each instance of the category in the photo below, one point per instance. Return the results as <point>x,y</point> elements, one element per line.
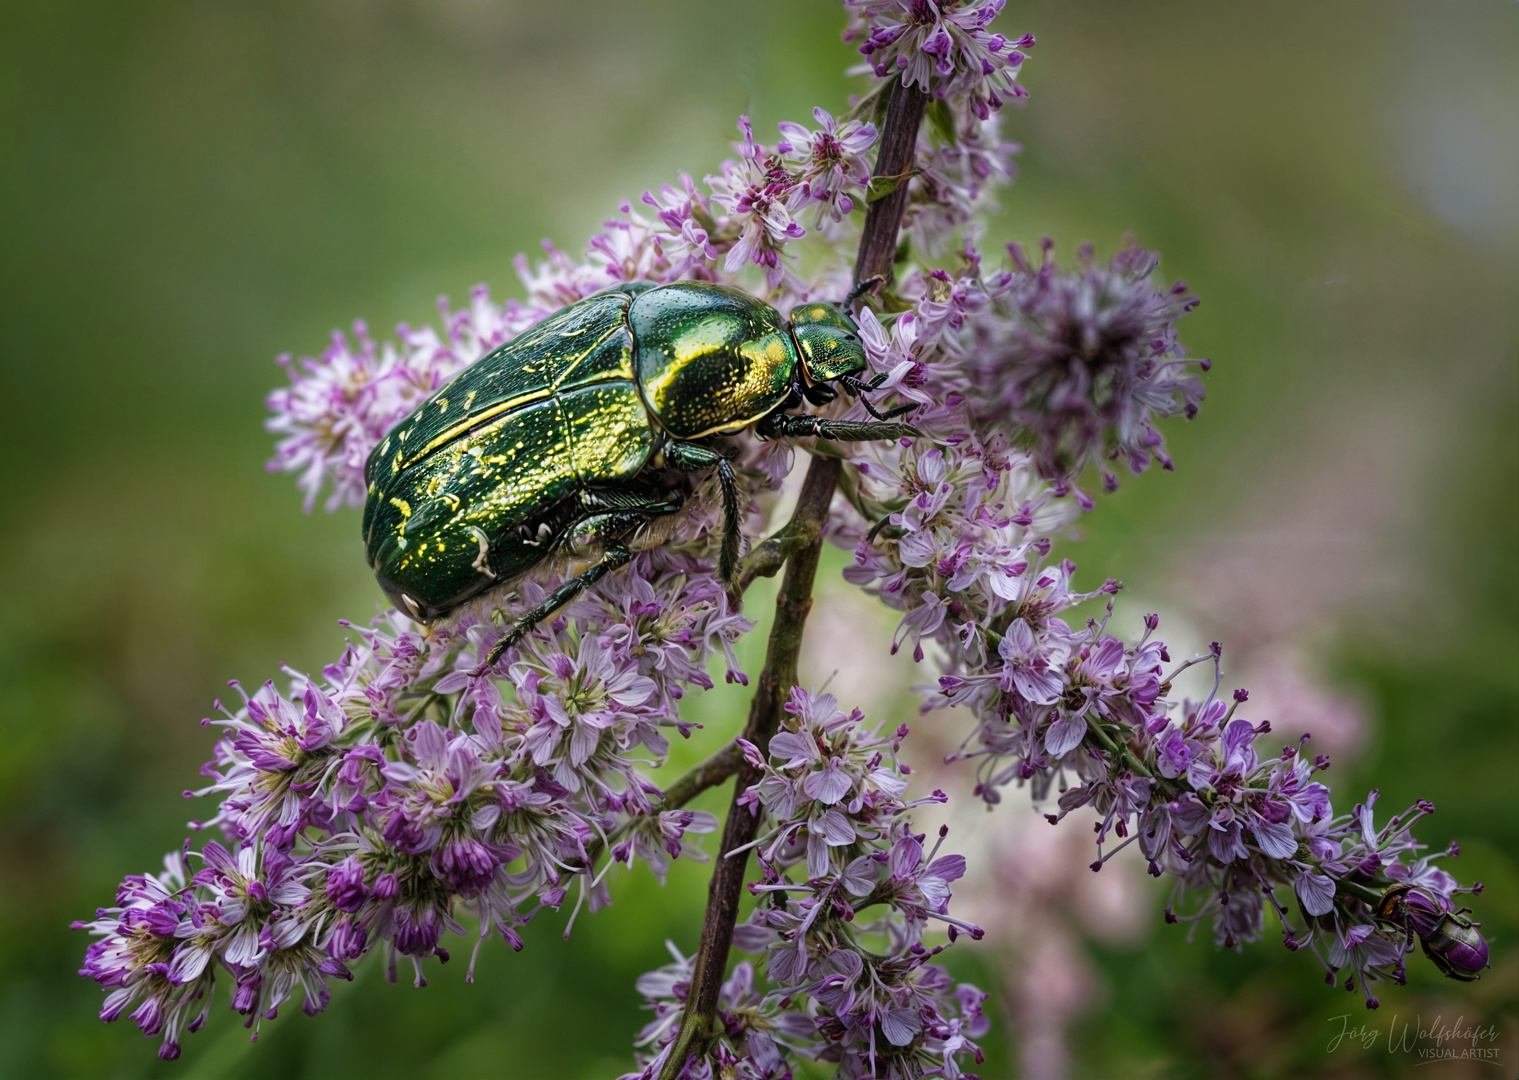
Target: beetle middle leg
<point>690,457</point>
<point>801,424</point>
<point>609,527</point>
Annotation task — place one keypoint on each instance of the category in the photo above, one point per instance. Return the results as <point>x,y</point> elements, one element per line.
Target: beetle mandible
<point>575,435</point>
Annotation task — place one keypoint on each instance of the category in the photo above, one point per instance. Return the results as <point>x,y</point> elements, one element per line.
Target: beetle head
<point>828,340</point>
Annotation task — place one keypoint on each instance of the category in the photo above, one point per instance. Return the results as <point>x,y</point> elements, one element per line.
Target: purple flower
<point>756,191</point>
<point>417,933</point>
<point>756,1038</point>
<point>957,182</point>
<point>686,244</point>
<point>371,804</point>
<point>271,758</point>
<point>1315,891</point>
<point>836,798</point>
<point>375,806</point>
<point>660,837</point>
<point>830,781</point>
<point>943,46</point>
<point>1082,362</point>
<point>833,160</point>
<point>1031,667</point>
<point>467,864</point>
<point>345,887</point>
<point>339,406</point>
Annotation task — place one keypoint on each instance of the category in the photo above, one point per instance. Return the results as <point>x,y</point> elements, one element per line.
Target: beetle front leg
<point>860,389</point>
<point>797,425</point>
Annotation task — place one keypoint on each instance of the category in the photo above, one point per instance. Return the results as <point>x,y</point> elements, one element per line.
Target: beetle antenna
<point>855,386</point>
<point>889,414</point>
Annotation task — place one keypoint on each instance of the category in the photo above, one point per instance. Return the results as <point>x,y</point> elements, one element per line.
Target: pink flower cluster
<point>942,46</point>
<point>375,806</point>
<point>1021,379</point>
<point>955,531</point>
<point>848,893</point>
<point>340,404</point>
<point>956,537</point>
<point>1078,365</point>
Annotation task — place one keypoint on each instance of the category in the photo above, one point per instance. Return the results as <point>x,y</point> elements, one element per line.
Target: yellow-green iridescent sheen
<point>552,411</point>
<point>829,342</point>
<point>490,473</point>
<point>585,342</point>
<point>709,358</point>
<point>607,431</point>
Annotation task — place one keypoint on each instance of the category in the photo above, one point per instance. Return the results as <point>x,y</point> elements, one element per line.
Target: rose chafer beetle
<point>1450,939</point>
<point>574,437</point>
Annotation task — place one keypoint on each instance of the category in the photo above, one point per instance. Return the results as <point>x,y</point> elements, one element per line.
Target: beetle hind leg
<point>617,556</point>
<point>607,526</point>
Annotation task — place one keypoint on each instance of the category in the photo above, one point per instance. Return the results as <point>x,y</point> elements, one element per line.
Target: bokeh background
<point>189,188</point>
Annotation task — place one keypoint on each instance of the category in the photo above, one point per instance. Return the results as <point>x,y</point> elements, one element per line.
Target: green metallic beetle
<point>573,437</point>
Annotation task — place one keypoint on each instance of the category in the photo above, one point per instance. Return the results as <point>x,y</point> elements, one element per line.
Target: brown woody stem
<point>801,551</point>
<point>898,149</point>
<point>766,559</point>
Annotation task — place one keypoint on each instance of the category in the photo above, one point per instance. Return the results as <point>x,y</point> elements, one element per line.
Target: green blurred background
<point>188,189</point>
